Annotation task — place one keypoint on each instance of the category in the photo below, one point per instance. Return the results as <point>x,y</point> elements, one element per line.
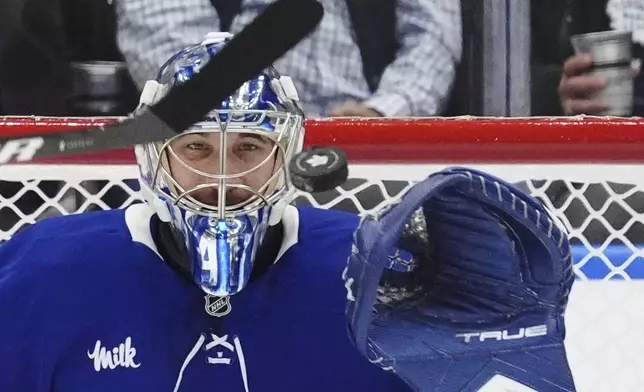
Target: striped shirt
<point>326,67</point>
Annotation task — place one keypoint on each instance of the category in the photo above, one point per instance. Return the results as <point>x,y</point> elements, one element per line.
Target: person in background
<point>59,58</point>
<point>549,48</point>
<point>576,86</point>
<point>362,61</point>
<point>561,86</point>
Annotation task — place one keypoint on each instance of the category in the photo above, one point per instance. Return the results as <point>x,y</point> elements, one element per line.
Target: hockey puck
<point>319,169</point>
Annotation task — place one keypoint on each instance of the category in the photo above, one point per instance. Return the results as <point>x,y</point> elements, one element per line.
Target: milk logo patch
<point>123,355</point>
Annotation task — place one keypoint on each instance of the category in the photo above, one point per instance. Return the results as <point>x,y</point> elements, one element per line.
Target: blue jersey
<point>87,304</point>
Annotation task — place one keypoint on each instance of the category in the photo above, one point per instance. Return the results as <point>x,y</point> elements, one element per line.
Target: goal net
<point>586,170</point>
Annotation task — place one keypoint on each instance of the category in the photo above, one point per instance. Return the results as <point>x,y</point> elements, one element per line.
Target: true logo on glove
<point>529,332</point>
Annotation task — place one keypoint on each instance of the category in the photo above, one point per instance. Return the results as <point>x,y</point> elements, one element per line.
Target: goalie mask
<point>224,181</point>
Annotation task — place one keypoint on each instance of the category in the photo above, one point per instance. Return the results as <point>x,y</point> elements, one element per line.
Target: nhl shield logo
<point>217,306</point>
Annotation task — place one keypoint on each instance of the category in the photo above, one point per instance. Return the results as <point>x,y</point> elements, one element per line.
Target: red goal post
<point>582,139</point>
<point>587,170</point>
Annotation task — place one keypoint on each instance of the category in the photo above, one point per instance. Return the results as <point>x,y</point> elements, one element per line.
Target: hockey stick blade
<point>281,26</point>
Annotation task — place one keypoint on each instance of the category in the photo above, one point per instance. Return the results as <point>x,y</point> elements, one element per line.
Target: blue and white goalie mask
<point>221,183</point>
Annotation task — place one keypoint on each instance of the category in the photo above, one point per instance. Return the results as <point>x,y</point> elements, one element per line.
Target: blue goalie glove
<point>462,286</point>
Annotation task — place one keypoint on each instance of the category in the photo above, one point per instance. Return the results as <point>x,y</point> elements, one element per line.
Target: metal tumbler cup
<point>611,52</point>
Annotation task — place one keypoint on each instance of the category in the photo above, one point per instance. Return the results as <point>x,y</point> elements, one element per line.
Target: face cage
<point>287,139</point>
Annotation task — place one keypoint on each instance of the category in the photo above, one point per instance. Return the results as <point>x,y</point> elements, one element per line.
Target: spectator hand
<point>353,109</point>
<point>577,87</point>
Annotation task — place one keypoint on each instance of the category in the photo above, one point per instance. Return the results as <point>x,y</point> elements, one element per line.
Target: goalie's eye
<point>195,151</point>
<point>252,148</point>
<point>248,147</point>
<point>193,147</point>
<point>196,146</point>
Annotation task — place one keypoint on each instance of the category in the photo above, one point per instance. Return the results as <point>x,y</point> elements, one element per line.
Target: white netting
<point>605,219</point>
